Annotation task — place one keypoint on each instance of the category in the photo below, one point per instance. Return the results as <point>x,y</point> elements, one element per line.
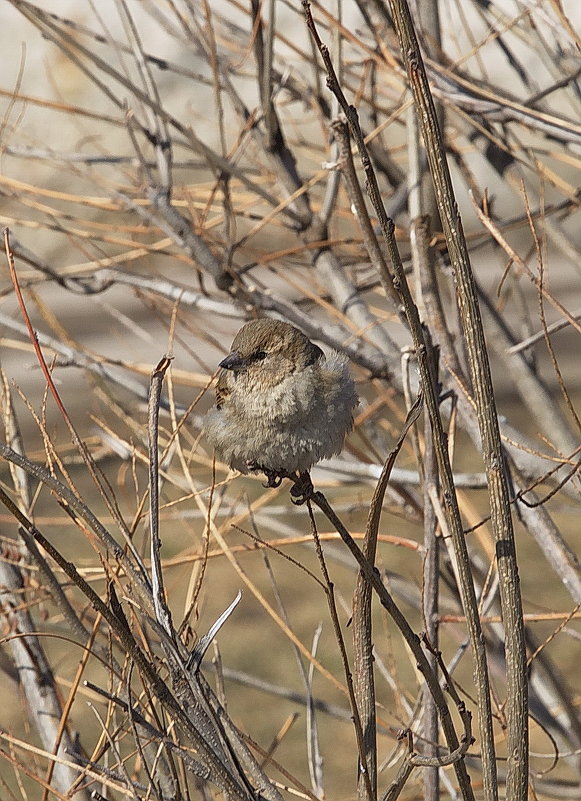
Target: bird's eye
<point>259,355</point>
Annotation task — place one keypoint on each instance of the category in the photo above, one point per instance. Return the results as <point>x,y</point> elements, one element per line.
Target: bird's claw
<point>302,489</point>
<point>273,479</point>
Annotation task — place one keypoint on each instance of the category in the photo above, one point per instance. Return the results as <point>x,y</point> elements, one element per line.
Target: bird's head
<point>267,351</point>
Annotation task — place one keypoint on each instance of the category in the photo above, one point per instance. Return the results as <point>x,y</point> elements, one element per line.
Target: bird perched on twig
<point>281,404</point>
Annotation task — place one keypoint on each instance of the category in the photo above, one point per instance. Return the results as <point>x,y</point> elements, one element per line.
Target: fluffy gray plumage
<point>281,403</point>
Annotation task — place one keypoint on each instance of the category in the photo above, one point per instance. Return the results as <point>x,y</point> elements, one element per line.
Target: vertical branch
<point>36,678</point>
<point>362,627</point>
<point>263,52</point>
<point>162,611</point>
<point>457,748</point>
<point>275,144</point>
<point>423,211</point>
<point>425,364</point>
<point>159,129</point>
<point>517,693</point>
<point>364,773</point>
<point>430,604</point>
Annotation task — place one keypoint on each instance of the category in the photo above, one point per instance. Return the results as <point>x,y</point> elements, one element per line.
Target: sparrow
<point>282,404</point>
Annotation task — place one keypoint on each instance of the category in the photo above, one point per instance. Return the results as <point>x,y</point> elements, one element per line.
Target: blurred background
<point>170,170</point>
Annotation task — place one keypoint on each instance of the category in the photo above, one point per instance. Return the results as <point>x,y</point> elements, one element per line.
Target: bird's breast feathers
<point>293,397</point>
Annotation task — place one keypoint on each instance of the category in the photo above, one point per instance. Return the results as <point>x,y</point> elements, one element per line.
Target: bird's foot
<point>302,489</point>
<point>273,477</point>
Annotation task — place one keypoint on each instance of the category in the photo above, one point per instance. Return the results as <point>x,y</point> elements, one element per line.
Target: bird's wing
<point>222,388</point>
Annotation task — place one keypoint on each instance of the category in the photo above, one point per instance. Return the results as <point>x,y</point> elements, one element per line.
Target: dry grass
<point>192,170</point>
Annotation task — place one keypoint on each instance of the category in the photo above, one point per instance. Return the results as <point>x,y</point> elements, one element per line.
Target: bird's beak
<point>233,361</point>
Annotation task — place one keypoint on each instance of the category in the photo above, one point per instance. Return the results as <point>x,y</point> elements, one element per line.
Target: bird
<point>282,404</point>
